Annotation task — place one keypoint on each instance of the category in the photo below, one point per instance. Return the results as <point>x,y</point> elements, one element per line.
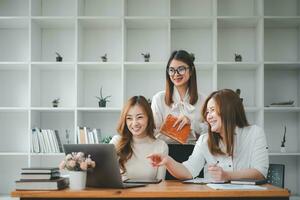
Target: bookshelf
<point>265,32</point>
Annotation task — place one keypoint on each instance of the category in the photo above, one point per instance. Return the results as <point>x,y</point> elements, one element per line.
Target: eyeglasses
<point>180,70</point>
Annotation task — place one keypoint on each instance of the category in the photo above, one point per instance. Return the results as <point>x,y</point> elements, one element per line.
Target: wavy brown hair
<point>188,59</point>
<point>231,110</point>
<point>124,147</point>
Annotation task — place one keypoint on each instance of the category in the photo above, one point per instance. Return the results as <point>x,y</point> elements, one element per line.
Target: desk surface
<point>165,189</point>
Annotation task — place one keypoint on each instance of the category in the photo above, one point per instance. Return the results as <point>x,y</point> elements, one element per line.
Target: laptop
<point>107,172</point>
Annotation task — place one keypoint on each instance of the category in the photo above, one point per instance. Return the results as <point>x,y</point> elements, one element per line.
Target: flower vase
<point>77,180</point>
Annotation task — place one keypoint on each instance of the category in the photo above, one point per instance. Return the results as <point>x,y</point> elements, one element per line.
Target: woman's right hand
<point>158,159</point>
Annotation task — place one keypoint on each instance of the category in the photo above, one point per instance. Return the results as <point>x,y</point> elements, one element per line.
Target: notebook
<point>170,131</point>
<point>235,187</point>
<point>202,181</point>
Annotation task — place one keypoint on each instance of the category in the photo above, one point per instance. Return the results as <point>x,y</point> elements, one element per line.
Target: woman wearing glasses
<point>180,98</point>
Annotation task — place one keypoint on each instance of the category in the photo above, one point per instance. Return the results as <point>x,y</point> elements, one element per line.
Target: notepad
<point>235,187</point>
<point>202,181</point>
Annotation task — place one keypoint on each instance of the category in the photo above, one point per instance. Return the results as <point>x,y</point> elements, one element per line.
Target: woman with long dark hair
<point>180,97</point>
<point>136,140</point>
<point>232,149</point>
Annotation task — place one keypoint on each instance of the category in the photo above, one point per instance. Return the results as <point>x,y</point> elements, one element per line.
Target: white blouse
<point>250,151</point>
<point>161,110</point>
<point>139,166</point>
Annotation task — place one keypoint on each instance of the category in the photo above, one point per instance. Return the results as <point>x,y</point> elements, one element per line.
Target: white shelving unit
<point>265,32</point>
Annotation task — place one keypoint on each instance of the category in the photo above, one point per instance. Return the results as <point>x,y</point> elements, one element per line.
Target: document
<point>202,181</point>
<point>235,187</point>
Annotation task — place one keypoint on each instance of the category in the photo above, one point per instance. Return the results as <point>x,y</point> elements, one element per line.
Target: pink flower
<point>62,165</point>
<point>84,166</point>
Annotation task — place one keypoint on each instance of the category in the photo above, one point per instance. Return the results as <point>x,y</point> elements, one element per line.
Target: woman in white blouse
<point>136,140</point>
<point>231,149</point>
<point>180,97</point>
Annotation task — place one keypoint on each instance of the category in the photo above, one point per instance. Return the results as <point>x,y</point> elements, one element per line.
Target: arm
<point>161,171</point>
<point>177,169</point>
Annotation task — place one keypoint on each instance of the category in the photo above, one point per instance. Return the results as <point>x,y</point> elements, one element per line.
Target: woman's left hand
<point>217,173</point>
<point>181,121</point>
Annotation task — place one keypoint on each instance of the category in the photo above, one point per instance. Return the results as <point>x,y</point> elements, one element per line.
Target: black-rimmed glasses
<point>180,70</point>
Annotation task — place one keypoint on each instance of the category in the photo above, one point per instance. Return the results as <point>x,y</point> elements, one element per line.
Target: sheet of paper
<point>202,181</point>
<point>235,187</point>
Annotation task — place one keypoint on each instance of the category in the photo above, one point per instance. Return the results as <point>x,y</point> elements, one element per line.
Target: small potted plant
<point>104,58</point>
<point>55,102</point>
<point>282,147</point>
<point>77,164</point>
<point>102,100</point>
<point>106,140</point>
<point>237,57</point>
<point>146,56</point>
<point>59,58</point>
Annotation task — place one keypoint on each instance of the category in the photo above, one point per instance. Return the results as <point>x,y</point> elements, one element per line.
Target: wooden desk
<point>166,190</point>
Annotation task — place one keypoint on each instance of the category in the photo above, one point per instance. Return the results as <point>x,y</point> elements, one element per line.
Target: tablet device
<point>145,181</point>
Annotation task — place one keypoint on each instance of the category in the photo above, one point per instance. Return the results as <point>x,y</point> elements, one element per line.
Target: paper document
<point>202,181</point>
<point>235,187</point>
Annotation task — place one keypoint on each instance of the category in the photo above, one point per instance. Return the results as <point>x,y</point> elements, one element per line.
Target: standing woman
<point>180,97</point>
<point>136,140</point>
<point>232,149</point>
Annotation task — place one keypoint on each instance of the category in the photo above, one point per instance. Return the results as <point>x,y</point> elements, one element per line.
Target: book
<point>170,131</point>
<point>235,187</point>
<point>35,176</point>
<point>202,181</point>
<point>55,184</point>
<point>248,181</point>
<point>40,170</point>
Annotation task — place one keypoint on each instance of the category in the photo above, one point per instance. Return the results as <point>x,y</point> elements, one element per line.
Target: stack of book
<point>41,178</point>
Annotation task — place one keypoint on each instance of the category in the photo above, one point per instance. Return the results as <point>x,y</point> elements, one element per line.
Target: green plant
<point>283,138</point>
<point>102,100</point>
<point>106,140</point>
<point>56,101</point>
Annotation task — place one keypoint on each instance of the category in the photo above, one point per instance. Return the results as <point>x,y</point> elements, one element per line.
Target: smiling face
<point>179,80</point>
<point>213,117</point>
<point>137,121</point>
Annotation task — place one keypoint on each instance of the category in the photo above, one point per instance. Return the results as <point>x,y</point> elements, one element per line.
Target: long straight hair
<point>188,59</point>
<point>231,110</point>
<point>124,147</point>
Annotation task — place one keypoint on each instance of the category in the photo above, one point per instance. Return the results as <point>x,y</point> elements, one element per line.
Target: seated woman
<point>232,149</point>
<point>136,141</point>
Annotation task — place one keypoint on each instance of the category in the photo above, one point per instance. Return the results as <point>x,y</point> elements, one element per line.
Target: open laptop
<point>107,172</point>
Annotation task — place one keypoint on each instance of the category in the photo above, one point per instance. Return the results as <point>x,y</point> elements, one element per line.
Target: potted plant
<point>106,139</point>
<point>237,57</point>
<point>77,164</point>
<point>104,58</point>
<point>146,56</point>
<point>55,102</point>
<point>282,147</point>
<point>102,100</point>
<point>59,58</point>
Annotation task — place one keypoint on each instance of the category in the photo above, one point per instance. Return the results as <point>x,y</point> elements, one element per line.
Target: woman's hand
<point>217,173</point>
<point>181,121</point>
<point>158,159</point>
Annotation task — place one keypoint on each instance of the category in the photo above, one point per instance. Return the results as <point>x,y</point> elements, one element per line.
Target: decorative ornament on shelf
<point>104,58</point>
<point>146,56</point>
<point>102,100</point>
<point>59,58</point>
<point>237,57</point>
<point>77,164</point>
<point>55,102</point>
<point>283,147</point>
<point>238,91</point>
<point>149,101</point>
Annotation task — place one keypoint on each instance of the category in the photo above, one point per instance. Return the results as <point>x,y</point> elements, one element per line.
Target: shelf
<point>53,66</point>
<point>100,8</point>
<point>239,8</point>
<point>53,8</point>
<point>47,154</point>
<point>13,109</point>
<point>52,109</point>
<point>238,65</point>
<point>193,35</point>
<point>191,8</point>
<point>239,36</point>
<point>281,39</point>
<point>99,65</point>
<point>13,153</point>
<point>282,109</point>
<point>141,37</point>
<point>97,37</point>
<point>50,36</point>
<point>93,109</point>
<point>281,8</point>
<point>284,154</point>
<point>14,7</point>
<point>144,65</point>
<point>144,8</point>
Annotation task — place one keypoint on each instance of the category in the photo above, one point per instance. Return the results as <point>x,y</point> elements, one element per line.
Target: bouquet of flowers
<point>77,162</point>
